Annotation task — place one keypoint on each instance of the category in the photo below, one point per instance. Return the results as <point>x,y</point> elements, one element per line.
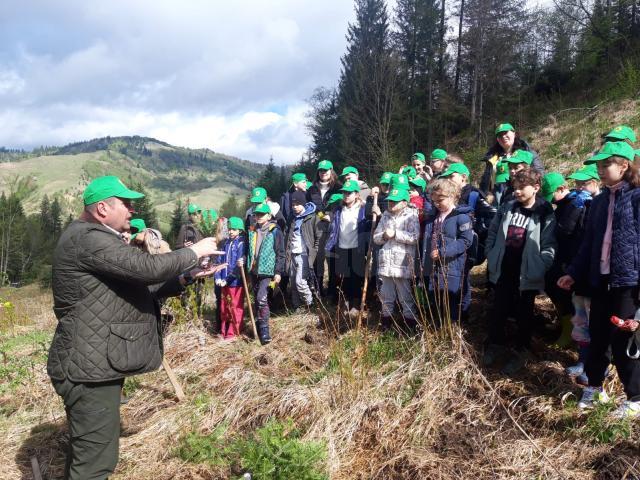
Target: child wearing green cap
<point>352,173</point>
<point>298,184</point>
<point>266,260</point>
<point>260,196</point>
<point>448,234</point>
<point>569,213</point>
<point>507,142</point>
<point>348,243</point>
<point>609,260</point>
<point>423,170</point>
<point>230,280</point>
<point>397,235</point>
<point>325,185</point>
<point>190,232</point>
<point>520,249</point>
<point>301,250</point>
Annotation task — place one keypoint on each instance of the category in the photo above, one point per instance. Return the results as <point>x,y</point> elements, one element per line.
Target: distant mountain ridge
<point>167,171</point>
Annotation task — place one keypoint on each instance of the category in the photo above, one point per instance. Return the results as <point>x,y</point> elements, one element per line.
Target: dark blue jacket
<point>234,250</point>
<point>457,235</point>
<point>625,241</point>
<point>285,205</point>
<point>364,231</point>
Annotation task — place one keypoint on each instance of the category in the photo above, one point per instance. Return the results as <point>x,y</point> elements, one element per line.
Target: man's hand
<point>207,272</point>
<point>435,255</point>
<point>277,278</point>
<point>205,247</point>
<point>566,282</point>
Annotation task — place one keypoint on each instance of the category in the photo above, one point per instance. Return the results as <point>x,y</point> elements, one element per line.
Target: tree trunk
<point>459,57</point>
<point>442,46</point>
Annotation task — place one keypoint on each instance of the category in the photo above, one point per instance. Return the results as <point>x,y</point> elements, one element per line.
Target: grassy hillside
<point>203,176</point>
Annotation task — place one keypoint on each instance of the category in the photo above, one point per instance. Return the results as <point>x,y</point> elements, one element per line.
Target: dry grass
<point>426,412</point>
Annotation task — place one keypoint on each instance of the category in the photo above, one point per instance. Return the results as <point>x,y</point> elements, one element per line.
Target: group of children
<point>427,226</point>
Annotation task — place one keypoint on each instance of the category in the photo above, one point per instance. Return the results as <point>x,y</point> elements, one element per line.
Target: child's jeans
<point>580,319</point>
<point>231,311</point>
<point>300,291</point>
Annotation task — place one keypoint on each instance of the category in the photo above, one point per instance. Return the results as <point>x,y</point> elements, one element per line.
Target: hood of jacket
<point>309,208</point>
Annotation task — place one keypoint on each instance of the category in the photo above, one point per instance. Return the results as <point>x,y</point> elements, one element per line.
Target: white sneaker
<point>591,396</point>
<point>628,409</point>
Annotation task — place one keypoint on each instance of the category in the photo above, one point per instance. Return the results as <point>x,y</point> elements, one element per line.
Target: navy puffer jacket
<point>625,241</point>
<point>456,237</point>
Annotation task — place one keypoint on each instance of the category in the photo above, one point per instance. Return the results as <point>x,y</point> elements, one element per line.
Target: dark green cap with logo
<point>520,156</point>
<point>504,127</point>
<point>460,168</point>
<point>348,170</point>
<point>502,172</point>
<point>386,178</point>
<point>235,223</point>
<point>550,183</point>
<point>418,182</point>
<point>418,156</point>
<point>258,195</point>
<point>325,165</point>
<point>613,149</point>
<point>438,154</point>
<point>106,187</point>
<point>298,177</point>
<point>398,195</point>
<point>350,186</point>
<point>588,172</point>
<point>335,197</point>
<point>262,208</point>
<point>399,182</point>
<point>409,171</point>
<point>622,132</point>
<point>136,226</point>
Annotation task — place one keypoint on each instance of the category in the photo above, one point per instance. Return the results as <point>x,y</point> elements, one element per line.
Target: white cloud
<point>226,75</point>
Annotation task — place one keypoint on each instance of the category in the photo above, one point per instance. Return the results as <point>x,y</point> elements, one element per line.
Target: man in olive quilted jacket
<point>108,328</point>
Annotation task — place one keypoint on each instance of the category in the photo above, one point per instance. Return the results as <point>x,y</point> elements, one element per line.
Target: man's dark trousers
<point>93,416</point>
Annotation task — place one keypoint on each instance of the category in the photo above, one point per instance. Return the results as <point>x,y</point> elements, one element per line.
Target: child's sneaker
<point>628,409</point>
<point>591,396</point>
<point>582,379</point>
<point>575,370</point>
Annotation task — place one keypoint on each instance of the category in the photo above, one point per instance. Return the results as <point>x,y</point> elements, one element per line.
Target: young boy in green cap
<point>569,213</point>
<point>397,235</point>
<point>520,249</point>
<point>259,196</point>
<point>587,186</point>
<point>520,160</point>
<point>230,280</point>
<point>438,161</point>
<point>351,173</point>
<point>301,249</point>
<point>266,261</point>
<point>299,183</point>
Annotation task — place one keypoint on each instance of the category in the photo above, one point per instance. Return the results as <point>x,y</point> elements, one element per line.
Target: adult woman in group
<point>325,184</point>
<point>506,144</point>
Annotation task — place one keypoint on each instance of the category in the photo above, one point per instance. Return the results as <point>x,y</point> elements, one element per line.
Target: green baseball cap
<point>460,168</point>
<point>235,223</point>
<point>399,182</point>
<point>438,154</point>
<point>611,149</point>
<point>588,172</point>
<point>138,225</point>
<point>106,187</point>
<point>262,208</point>
<point>193,208</point>
<point>298,177</point>
<point>418,182</point>
<point>386,178</point>
<point>520,156</point>
<point>502,172</point>
<point>398,195</point>
<point>348,170</point>
<point>418,156</point>
<point>210,216</point>
<point>258,195</point>
<point>325,165</point>
<point>409,171</point>
<point>335,197</point>
<point>622,132</point>
<point>550,183</point>
<point>350,186</point>
<point>504,127</point>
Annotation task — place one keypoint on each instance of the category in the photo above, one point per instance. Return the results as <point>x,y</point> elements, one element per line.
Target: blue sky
<point>231,76</point>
